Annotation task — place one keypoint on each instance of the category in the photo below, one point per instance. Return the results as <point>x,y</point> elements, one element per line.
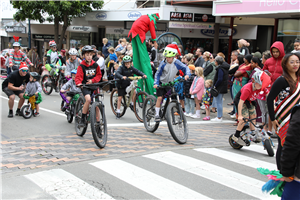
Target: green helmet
<point>167,53</point>
<point>127,59</point>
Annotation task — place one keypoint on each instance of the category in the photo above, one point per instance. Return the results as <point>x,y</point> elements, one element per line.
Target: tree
<point>58,11</point>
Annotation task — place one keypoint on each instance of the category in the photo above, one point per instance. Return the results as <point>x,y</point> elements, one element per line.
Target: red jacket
<point>85,72</point>
<point>141,26</point>
<point>273,65</point>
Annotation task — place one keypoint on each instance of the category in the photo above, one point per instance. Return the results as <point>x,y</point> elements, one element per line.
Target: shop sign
<point>82,29</point>
<point>101,15</point>
<point>37,36</point>
<point>223,32</point>
<point>15,29</point>
<point>134,15</point>
<point>182,17</point>
<point>190,25</point>
<point>204,18</point>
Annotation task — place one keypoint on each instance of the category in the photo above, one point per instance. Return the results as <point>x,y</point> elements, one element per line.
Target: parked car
<point>3,58</point>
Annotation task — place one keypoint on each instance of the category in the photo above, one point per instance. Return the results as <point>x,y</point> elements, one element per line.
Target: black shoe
<point>204,112</point>
<point>157,119</point>
<point>82,122</point>
<point>131,107</point>
<point>18,113</point>
<point>118,115</point>
<point>231,113</point>
<point>64,108</point>
<point>10,114</point>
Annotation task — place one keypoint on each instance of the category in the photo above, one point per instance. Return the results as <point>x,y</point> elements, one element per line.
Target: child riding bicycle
<point>244,102</point>
<point>88,72</point>
<point>166,73</point>
<point>72,63</point>
<point>122,73</point>
<point>33,87</point>
<point>72,88</point>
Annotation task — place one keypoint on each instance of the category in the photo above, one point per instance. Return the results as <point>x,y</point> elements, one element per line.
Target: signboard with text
<point>204,18</point>
<point>15,29</point>
<point>190,25</point>
<point>181,17</point>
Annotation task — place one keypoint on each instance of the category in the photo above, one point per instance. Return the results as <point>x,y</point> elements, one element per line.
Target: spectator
<point>206,57</point>
<point>106,45</point>
<point>243,44</point>
<point>265,56</point>
<point>129,50</point>
<point>210,70</point>
<point>296,46</point>
<point>101,63</point>
<point>189,101</point>
<point>234,55</point>
<point>153,54</point>
<point>8,69</point>
<point>257,55</point>
<point>121,48</point>
<point>197,90</point>
<point>199,62</point>
<point>220,83</point>
<point>34,57</point>
<point>222,55</point>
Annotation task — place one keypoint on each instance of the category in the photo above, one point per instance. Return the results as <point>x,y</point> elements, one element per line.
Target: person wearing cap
<point>141,60</point>
<point>244,102</point>
<point>257,55</point>
<point>166,72</point>
<point>14,85</point>
<point>17,56</point>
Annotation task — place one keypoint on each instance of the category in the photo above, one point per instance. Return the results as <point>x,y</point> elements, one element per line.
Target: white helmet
<point>73,52</point>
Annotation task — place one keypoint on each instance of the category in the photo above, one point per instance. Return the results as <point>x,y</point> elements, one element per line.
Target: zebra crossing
<point>200,173</point>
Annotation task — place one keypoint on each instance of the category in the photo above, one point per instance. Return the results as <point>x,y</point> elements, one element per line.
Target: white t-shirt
<point>101,63</point>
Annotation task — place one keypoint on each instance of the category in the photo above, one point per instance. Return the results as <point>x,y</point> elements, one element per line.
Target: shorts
<point>206,106</point>
<point>247,112</point>
<point>122,90</point>
<point>9,92</point>
<point>162,91</point>
<point>86,91</point>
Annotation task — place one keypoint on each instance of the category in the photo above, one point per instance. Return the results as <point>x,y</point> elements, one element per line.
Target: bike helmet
<point>16,43</point>
<point>35,75</point>
<point>73,52</point>
<point>87,48</point>
<point>127,59</point>
<point>261,78</point>
<point>74,71</point>
<point>52,43</point>
<point>171,50</point>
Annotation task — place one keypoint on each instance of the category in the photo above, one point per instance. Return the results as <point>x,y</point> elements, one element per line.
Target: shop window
<point>79,38</point>
<point>288,31</point>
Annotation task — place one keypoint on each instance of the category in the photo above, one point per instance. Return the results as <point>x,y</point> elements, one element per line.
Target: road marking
<point>149,182</point>
<point>237,158</point>
<point>259,149</point>
<point>212,172</point>
<point>63,185</point>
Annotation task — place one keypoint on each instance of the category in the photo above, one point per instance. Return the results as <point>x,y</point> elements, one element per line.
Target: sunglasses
<point>24,70</point>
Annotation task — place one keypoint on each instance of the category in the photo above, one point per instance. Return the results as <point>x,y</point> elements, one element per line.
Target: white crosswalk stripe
<point>203,165</point>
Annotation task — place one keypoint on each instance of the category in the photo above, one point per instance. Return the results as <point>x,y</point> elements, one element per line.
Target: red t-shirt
<point>247,92</point>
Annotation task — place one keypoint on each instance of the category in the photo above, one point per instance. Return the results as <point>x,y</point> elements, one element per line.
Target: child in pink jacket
<point>197,90</point>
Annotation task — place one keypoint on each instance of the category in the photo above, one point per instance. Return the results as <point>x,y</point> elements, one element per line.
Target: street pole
<point>29,34</point>
<point>230,39</point>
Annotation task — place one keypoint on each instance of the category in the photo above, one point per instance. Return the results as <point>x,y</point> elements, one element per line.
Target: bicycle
<point>256,136</point>
<point>126,100</point>
<point>95,115</point>
<point>59,80</point>
<point>71,108</point>
<point>168,108</point>
<point>29,109</point>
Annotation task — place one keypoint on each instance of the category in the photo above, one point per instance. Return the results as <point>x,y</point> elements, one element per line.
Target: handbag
<point>214,92</point>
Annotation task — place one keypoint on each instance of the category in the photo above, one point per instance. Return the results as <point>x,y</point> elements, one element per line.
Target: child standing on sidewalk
<point>189,102</point>
<point>197,90</point>
<point>207,98</point>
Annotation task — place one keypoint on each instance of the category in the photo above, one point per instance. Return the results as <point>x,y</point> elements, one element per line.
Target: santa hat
<point>174,48</point>
<point>23,66</point>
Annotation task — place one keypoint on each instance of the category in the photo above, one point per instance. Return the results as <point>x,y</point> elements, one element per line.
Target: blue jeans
<point>219,102</point>
<point>214,103</point>
<point>189,105</point>
<point>291,191</point>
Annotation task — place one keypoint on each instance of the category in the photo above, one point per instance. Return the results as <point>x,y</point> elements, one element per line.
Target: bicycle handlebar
<point>170,83</point>
<point>100,84</point>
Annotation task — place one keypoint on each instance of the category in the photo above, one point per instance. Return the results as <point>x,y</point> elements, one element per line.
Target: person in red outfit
<point>137,34</point>
<point>88,72</point>
<point>273,66</point>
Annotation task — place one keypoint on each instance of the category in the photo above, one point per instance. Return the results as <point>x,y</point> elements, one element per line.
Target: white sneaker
<point>216,120</point>
<point>186,114</point>
<point>203,107</point>
<point>233,116</point>
<point>238,140</point>
<point>196,116</point>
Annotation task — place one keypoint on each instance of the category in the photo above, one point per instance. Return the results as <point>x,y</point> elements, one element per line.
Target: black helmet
<point>87,48</point>
<point>35,75</point>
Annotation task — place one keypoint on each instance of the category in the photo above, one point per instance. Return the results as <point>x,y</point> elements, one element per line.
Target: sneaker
<point>64,108</point>
<point>231,113</point>
<point>269,133</point>
<point>196,116</point>
<point>186,114</point>
<point>157,118</point>
<point>10,114</point>
<point>233,116</point>
<point>216,119</point>
<point>238,140</point>
<point>118,116</point>
<point>18,113</point>
<point>131,107</point>
<point>36,114</point>
<point>206,118</point>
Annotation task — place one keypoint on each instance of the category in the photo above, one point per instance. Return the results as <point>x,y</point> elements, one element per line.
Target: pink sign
<point>256,7</point>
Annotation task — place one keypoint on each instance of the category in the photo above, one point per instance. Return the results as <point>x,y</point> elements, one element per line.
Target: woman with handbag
<point>220,84</point>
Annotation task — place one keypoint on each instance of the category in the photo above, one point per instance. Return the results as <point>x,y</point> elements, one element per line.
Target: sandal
<point>213,111</point>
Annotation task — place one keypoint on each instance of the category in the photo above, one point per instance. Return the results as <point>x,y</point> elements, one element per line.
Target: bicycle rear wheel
<point>99,124</point>
<point>80,131</point>
<point>177,123</point>
<point>268,147</point>
<point>149,114</point>
<point>46,84</point>
<point>138,105</point>
<point>114,103</point>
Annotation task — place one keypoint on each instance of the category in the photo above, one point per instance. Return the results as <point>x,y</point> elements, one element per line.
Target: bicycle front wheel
<point>46,84</point>
<point>114,103</point>
<point>80,131</point>
<point>177,123</point>
<point>99,124</point>
<point>138,105</point>
<point>149,114</point>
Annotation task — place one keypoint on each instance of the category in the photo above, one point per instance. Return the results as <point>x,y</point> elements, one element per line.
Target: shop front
<point>80,35</point>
